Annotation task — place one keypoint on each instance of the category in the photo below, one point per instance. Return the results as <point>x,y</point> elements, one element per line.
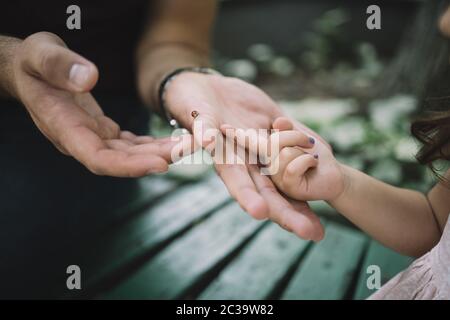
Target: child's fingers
<point>253,140</point>
<point>283,124</point>
<point>297,168</point>
<point>267,147</point>
<point>282,140</point>
<point>290,138</point>
<point>279,163</point>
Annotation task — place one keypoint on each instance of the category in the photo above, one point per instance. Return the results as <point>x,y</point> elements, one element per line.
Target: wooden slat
<point>145,232</point>
<point>329,267</point>
<point>390,264</point>
<point>186,260</point>
<point>256,271</point>
<point>151,188</point>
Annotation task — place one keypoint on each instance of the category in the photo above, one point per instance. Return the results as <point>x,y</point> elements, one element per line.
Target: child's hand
<point>302,167</point>
<point>306,174</point>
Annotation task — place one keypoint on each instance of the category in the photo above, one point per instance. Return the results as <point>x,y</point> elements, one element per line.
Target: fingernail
<point>316,156</point>
<point>78,75</point>
<point>311,140</point>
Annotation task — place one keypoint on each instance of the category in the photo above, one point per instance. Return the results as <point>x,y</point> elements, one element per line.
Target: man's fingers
<point>170,149</point>
<point>107,128</point>
<point>131,137</point>
<point>87,147</point>
<point>89,104</point>
<point>119,144</point>
<point>53,62</point>
<point>241,187</point>
<point>267,148</point>
<point>303,207</point>
<point>128,135</point>
<point>256,142</point>
<point>282,211</point>
<point>120,164</point>
<point>143,139</point>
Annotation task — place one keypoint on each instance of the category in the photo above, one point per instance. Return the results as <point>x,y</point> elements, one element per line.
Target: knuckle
<point>38,37</point>
<point>47,61</point>
<point>109,129</point>
<point>53,119</point>
<point>285,153</point>
<point>33,39</point>
<point>114,127</point>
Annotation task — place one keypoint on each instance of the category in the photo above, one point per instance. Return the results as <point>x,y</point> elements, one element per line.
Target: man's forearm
<point>8,46</point>
<point>177,36</point>
<point>160,61</point>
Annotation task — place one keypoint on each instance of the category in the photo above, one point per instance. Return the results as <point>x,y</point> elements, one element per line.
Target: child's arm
<point>401,219</point>
<point>439,198</point>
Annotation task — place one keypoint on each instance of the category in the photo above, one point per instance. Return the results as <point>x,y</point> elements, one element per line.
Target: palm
<point>77,126</point>
<point>221,100</point>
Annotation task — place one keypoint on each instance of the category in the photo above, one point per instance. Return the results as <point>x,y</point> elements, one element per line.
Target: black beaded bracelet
<point>167,79</point>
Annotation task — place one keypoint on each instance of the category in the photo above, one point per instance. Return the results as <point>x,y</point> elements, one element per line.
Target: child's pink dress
<point>426,278</point>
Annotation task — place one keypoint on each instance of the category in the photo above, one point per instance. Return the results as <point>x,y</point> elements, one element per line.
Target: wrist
<point>347,174</point>
<point>9,48</point>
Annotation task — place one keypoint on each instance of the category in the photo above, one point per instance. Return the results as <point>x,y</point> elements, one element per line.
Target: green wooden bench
<point>196,243</point>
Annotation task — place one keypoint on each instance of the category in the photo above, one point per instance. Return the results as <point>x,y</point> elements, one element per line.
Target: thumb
<point>49,58</point>
<point>282,124</point>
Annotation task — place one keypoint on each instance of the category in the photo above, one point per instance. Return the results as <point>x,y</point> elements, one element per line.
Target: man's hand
<point>54,83</point>
<point>222,100</point>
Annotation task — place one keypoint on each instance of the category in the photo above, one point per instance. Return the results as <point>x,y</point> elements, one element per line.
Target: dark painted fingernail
<point>311,140</point>
<point>316,156</point>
